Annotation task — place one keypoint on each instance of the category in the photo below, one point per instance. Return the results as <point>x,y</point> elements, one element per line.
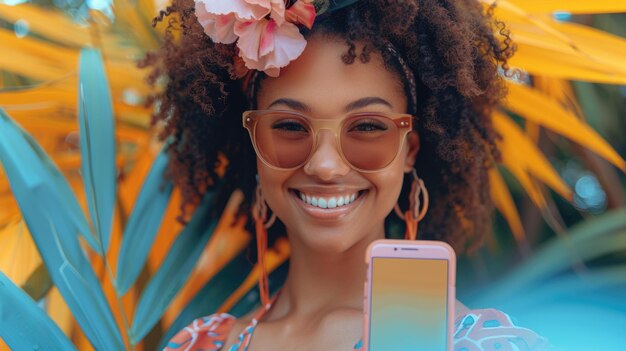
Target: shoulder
<point>205,333</point>
<point>491,329</point>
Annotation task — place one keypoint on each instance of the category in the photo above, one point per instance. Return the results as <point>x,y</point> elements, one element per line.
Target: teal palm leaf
<point>97,143</point>
<point>24,325</point>
<point>54,232</point>
<point>143,224</point>
<point>174,270</point>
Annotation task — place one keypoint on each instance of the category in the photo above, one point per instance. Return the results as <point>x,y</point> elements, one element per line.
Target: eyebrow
<point>360,103</point>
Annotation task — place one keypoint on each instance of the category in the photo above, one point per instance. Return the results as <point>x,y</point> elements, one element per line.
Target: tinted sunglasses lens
<point>284,140</point>
<point>370,142</point>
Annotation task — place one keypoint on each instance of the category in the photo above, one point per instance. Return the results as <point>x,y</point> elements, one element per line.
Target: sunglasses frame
<point>403,121</point>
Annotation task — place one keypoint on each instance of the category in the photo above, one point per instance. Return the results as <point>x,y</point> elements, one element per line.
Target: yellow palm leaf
<point>18,254</point>
<point>51,24</point>
<point>29,66</point>
<point>137,25</point>
<point>274,258</point>
<point>561,91</point>
<point>588,7</point>
<point>226,242</point>
<point>546,62</point>
<point>170,227</point>
<point>511,13</point>
<point>539,37</point>
<point>10,211</point>
<point>535,107</point>
<point>59,312</point>
<point>41,123</point>
<point>37,98</point>
<point>65,58</point>
<point>131,185</point>
<point>591,45</point>
<point>518,148</point>
<point>504,203</point>
<point>532,189</point>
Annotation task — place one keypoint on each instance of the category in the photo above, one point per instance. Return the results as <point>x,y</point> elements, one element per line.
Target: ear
<point>413,142</point>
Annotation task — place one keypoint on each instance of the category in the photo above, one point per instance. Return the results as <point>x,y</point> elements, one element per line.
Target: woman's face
<point>319,85</point>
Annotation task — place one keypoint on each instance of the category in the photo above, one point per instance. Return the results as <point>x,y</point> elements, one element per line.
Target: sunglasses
<point>367,141</point>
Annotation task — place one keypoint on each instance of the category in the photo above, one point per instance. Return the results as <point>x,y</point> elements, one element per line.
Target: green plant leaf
<point>174,270</point>
<point>54,231</point>
<point>24,325</point>
<point>212,295</point>
<point>143,224</point>
<point>97,143</point>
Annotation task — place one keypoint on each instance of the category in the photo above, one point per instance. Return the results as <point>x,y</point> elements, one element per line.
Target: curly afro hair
<point>453,47</point>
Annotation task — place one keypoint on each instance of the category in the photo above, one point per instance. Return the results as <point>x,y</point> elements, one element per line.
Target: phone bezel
<point>418,249</point>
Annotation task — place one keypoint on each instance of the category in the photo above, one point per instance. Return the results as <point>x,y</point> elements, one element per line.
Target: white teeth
<point>328,202</point>
<point>332,202</point>
<point>321,202</point>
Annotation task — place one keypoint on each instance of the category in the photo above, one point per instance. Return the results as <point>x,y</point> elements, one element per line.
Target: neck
<point>319,282</point>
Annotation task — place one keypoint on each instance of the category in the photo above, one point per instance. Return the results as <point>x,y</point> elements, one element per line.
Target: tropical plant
<point>95,272</point>
<point>545,294</point>
<point>54,219</point>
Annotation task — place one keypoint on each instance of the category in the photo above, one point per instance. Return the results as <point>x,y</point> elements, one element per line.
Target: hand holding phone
<point>409,296</point>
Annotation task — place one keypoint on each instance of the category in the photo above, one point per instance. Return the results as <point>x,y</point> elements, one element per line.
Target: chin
<point>325,240</point>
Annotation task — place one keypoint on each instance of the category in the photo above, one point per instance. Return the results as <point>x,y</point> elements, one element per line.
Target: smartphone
<point>409,296</point>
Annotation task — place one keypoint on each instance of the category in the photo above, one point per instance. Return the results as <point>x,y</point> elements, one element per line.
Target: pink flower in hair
<point>265,32</point>
<point>276,8</point>
<point>218,27</point>
<point>266,46</point>
<point>242,9</point>
<point>302,12</point>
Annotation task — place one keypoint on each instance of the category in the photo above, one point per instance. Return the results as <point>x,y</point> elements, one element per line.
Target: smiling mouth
<point>328,202</point>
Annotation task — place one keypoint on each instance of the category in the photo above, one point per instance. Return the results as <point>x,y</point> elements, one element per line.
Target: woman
<point>329,75</point>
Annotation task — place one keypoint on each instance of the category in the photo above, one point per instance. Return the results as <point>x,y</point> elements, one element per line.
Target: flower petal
<point>243,9</point>
<point>249,33</point>
<point>266,45</point>
<point>278,11</point>
<point>276,8</point>
<point>301,12</point>
<point>218,27</point>
<point>288,44</point>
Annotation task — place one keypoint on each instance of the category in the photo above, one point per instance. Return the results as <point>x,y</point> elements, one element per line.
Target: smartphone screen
<point>408,304</point>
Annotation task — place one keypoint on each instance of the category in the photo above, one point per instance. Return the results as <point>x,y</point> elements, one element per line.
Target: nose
<point>326,162</point>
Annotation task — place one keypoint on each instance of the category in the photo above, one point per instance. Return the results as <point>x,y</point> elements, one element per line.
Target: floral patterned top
<point>477,330</point>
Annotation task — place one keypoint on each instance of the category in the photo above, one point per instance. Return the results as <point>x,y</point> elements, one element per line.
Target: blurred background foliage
<point>556,260</point>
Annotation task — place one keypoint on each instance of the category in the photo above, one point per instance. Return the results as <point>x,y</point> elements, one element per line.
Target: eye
<point>290,126</point>
<point>368,125</point>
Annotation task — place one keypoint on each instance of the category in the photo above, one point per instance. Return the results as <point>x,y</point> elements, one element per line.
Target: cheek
<point>272,183</point>
<point>389,182</point>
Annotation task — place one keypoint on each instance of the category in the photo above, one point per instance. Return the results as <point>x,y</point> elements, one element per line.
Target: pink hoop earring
<point>259,213</point>
<point>414,214</point>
